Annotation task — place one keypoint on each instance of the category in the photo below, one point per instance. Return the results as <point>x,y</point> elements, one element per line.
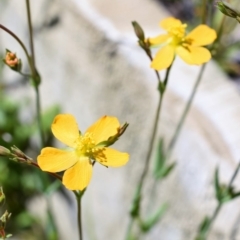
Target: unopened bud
<point>18,156</point>
<point>2,195</point>
<point>4,151</point>
<point>138,31</point>
<point>4,218</point>
<point>228,10</point>
<point>12,61</point>
<point>17,152</point>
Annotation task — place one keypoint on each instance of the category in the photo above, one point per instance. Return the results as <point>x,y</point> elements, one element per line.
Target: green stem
<point>129,229</point>
<point>50,173</point>
<point>234,176</point>
<point>79,214</point>
<point>20,43</point>
<point>185,112</point>
<point>203,232</point>
<point>188,105</point>
<point>39,119</point>
<point>36,81</point>
<point>25,75</point>
<point>79,218</point>
<point>202,235</point>
<point>154,132</point>
<point>31,62</point>
<point>31,37</point>
<point>35,75</point>
<point>138,192</point>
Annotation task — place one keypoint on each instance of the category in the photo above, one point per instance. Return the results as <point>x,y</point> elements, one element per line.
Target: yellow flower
<point>85,149</point>
<point>188,47</point>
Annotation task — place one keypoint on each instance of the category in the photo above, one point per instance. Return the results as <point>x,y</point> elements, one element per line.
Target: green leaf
<point>203,229</point>
<point>161,169</point>
<point>136,203</point>
<point>218,190</point>
<point>159,159</point>
<point>154,219</point>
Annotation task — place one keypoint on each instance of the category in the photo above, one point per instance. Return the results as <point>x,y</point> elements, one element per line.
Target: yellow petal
<point>112,158</point>
<point>104,128</point>
<point>194,55</point>
<point>65,129</point>
<point>78,176</point>
<point>163,58</point>
<point>159,39</point>
<point>202,35</point>
<point>170,22</point>
<point>56,160</point>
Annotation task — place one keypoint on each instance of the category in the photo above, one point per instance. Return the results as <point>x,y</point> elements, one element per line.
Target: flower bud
<point>12,61</point>
<point>17,152</point>
<point>4,218</point>
<point>4,151</point>
<point>3,222</point>
<point>138,31</point>
<point>2,195</point>
<point>227,10</point>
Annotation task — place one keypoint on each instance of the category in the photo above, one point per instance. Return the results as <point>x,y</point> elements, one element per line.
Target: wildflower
<point>188,47</point>
<point>85,149</point>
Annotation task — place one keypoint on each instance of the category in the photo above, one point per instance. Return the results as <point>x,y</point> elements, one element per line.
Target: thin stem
<point>203,233</point>
<point>20,43</point>
<point>31,35</point>
<point>138,192</point>
<point>39,119</point>
<point>235,229</point>
<point>50,173</point>
<point>79,218</point>
<point>35,75</point>
<point>155,127</point>
<point>129,229</point>
<point>25,74</point>
<point>31,62</point>
<point>185,112</point>
<point>79,214</point>
<point>149,54</point>
<point>154,132</point>
<point>234,176</point>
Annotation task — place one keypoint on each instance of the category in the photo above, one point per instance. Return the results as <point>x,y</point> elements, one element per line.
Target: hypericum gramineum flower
<point>85,149</point>
<point>175,41</point>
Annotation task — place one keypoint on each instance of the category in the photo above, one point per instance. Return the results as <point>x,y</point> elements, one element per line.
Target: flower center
<point>86,146</point>
<point>177,34</point>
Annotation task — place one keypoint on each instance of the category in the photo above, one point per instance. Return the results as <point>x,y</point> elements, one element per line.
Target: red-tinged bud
<point>12,61</point>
